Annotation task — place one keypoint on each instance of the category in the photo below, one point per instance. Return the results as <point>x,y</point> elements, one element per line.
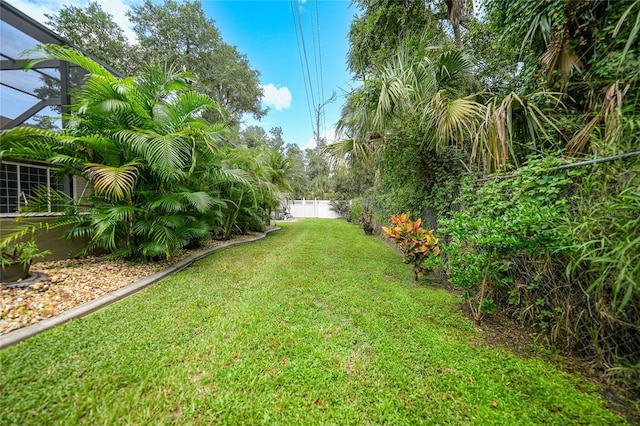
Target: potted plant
<point>15,259</point>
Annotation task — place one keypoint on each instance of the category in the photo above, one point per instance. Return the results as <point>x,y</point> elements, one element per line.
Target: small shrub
<point>21,252</point>
<point>366,221</point>
<point>504,229</point>
<point>357,208</point>
<point>415,242</point>
<point>342,207</point>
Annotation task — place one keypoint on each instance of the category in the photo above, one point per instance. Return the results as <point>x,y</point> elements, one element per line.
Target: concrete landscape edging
<point>87,308</point>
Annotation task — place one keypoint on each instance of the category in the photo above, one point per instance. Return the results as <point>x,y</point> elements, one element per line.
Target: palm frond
<point>157,81</point>
<point>356,117</point>
<point>106,230</point>
<point>165,154</point>
<point>560,57</point>
<point>226,174</point>
<point>65,53</point>
<point>634,30</point>
<point>189,106</point>
<point>452,65</point>
<point>200,201</point>
<point>171,202</point>
<point>456,120</point>
<point>606,114</point>
<point>27,143</point>
<point>95,147</point>
<point>339,150</point>
<point>114,182</point>
<point>44,198</point>
<point>494,142</point>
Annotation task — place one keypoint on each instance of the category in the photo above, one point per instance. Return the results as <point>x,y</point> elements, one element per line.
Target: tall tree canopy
<point>174,33</point>
<point>179,33</point>
<point>95,31</point>
<point>382,24</point>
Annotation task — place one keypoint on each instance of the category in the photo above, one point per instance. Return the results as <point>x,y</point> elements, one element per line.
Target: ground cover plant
<point>316,324</point>
<point>414,242</point>
<point>511,131</point>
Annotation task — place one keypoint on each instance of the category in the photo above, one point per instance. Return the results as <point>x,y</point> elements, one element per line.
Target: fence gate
<point>311,208</point>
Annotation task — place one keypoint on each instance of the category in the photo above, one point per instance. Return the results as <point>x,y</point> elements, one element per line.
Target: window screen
<point>18,182</point>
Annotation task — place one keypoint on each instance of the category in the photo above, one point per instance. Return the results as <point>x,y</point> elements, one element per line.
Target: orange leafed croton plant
<point>415,242</point>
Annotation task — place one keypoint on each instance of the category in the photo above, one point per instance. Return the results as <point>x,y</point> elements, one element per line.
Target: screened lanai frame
<point>37,97</point>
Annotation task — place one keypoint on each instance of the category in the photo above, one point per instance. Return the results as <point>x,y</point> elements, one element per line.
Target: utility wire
<point>319,118</point>
<point>295,27</point>
<point>304,50</point>
<point>315,55</point>
<point>319,49</point>
<point>318,108</point>
<point>324,116</point>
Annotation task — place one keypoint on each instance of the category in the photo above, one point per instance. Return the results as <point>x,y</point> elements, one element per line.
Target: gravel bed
<point>71,282</point>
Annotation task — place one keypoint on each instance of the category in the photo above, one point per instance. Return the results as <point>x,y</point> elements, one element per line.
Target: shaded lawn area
<point>315,324</point>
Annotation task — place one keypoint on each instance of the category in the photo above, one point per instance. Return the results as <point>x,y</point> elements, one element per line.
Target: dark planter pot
<point>14,272</point>
<point>368,228</point>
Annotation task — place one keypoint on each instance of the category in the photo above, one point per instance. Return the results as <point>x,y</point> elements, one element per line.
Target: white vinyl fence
<point>311,208</point>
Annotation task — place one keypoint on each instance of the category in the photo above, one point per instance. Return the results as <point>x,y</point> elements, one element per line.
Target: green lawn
<point>316,324</point>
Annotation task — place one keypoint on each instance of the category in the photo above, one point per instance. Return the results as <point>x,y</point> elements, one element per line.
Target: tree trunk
<point>457,15</point>
<point>457,36</point>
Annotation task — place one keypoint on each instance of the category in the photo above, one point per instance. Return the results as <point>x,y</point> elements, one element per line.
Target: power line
<point>295,27</point>
<point>320,115</point>
<point>315,54</point>
<point>304,50</point>
<point>317,57</point>
<point>324,119</point>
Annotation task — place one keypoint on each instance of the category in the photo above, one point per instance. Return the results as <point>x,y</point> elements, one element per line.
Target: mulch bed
<point>69,283</point>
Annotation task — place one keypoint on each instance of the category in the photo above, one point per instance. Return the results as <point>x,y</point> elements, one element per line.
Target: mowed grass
<point>316,324</point>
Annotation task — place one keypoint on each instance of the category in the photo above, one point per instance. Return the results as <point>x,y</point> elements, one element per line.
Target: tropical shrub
<point>341,207</point>
<point>603,265</point>
<point>260,186</point>
<point>163,177</point>
<point>23,252</point>
<point>503,224</point>
<point>558,249</point>
<point>416,243</point>
<point>356,210</point>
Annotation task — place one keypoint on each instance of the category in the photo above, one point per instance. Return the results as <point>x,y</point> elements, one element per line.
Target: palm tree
<point>249,200</point>
<point>139,141</point>
<point>412,86</point>
<point>458,12</point>
<point>417,85</point>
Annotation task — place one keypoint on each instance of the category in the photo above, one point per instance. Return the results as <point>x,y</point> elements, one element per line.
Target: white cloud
<point>279,98</point>
<point>328,134</point>
<point>117,9</point>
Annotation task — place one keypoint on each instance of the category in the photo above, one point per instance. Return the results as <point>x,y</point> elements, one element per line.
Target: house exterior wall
<point>47,239</point>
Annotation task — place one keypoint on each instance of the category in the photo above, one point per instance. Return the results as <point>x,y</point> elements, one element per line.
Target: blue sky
<point>264,30</point>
